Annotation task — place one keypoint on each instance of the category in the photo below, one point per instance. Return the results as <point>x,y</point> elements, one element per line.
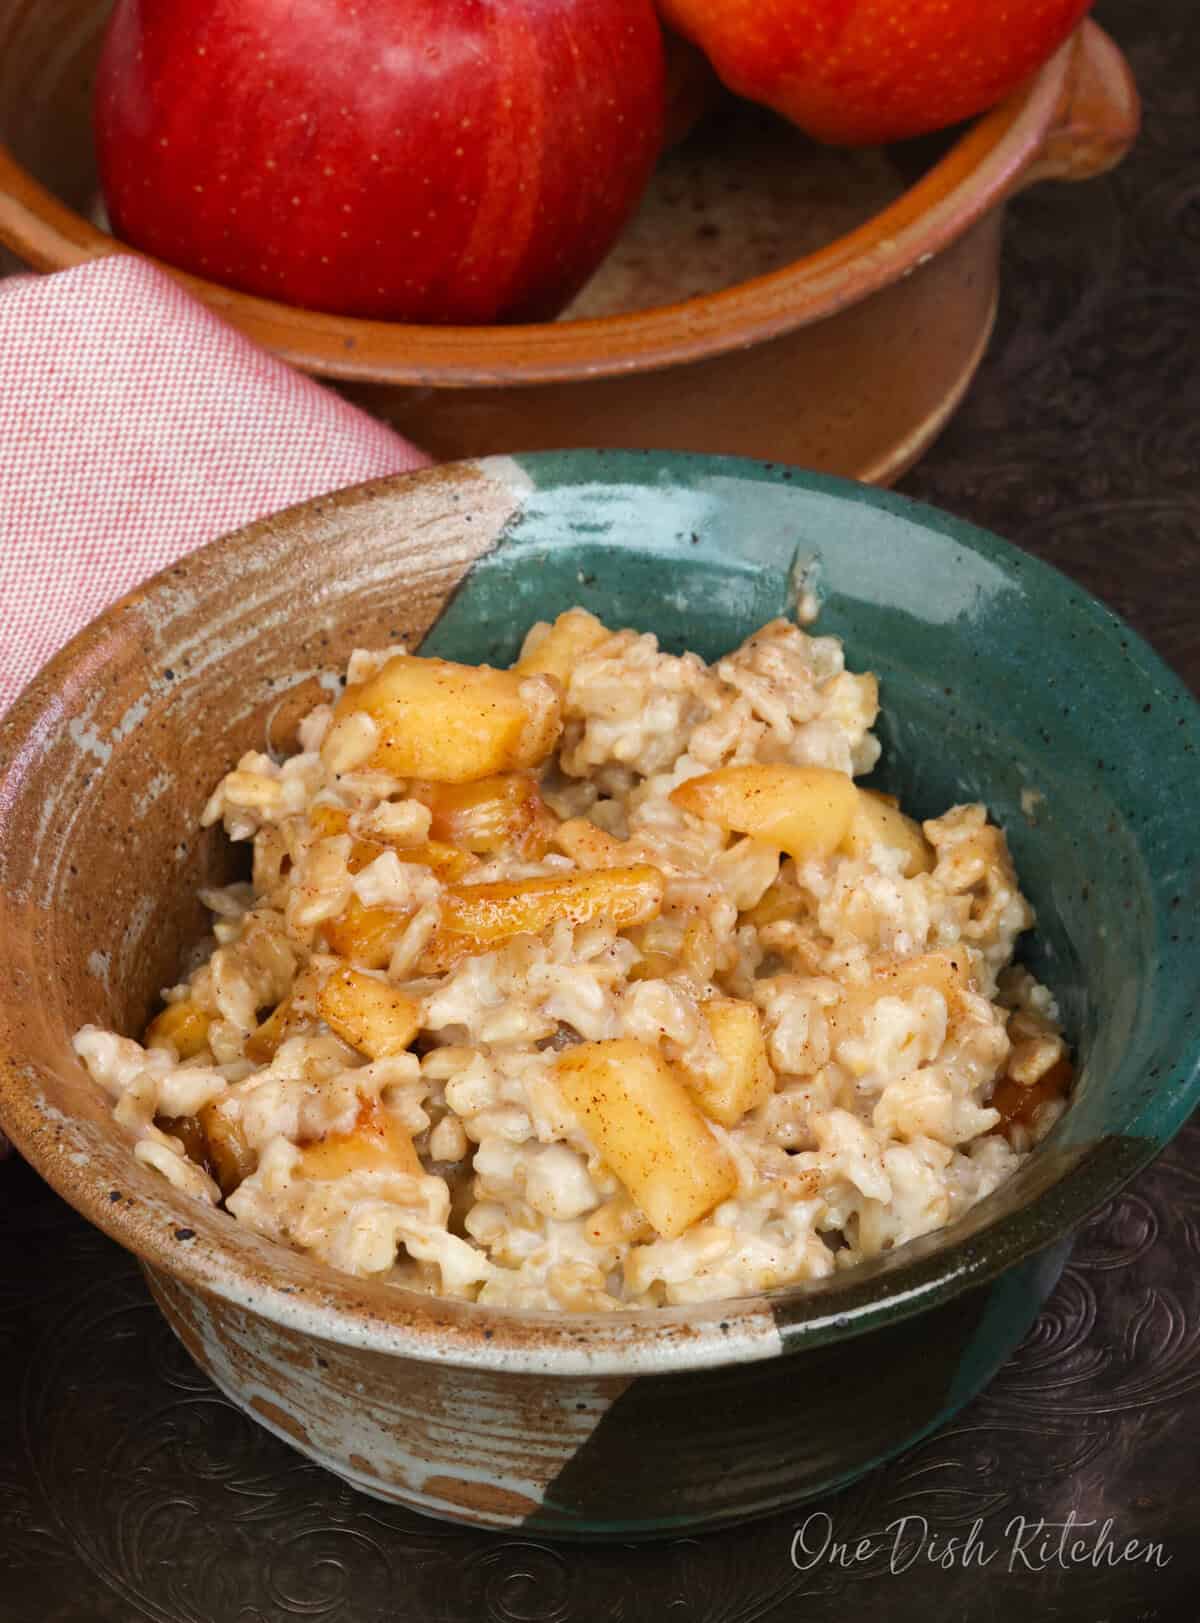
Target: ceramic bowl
<point>772,298</point>
<point>1002,681</point>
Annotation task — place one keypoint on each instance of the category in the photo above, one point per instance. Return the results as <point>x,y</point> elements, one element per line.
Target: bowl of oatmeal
<point>529,948</point>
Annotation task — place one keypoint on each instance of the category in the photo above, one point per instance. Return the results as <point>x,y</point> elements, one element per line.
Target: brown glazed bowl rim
<point>987,161</point>
<point>212,1252</point>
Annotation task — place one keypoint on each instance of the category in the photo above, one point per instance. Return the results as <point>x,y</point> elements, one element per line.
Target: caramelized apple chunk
<point>479,918</point>
<point>498,815</point>
<point>454,723</point>
<point>877,820</point>
<point>803,810</point>
<point>367,1013</point>
<point>376,1143</point>
<point>648,1128</point>
<point>746,1078</point>
<point>182,1026</point>
<point>555,650</point>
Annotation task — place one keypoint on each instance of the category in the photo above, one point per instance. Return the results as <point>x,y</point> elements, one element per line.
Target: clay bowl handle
<point>1098,113</point>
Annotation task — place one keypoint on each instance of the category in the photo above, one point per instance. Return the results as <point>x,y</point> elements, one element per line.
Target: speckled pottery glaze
<point>1001,681</point>
<point>772,298</point>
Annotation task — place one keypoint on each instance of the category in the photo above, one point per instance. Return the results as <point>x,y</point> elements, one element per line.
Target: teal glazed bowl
<point>1001,681</point>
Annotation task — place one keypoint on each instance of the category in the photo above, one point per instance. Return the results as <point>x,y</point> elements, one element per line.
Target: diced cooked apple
<point>623,896</point>
<point>183,1025</point>
<point>944,972</point>
<point>501,814</point>
<point>479,918</point>
<point>587,844</point>
<point>1018,1105</point>
<point>878,820</point>
<point>618,1222</point>
<point>376,1143</point>
<point>555,650</point>
<point>367,1013</point>
<point>265,1039</point>
<point>654,966</point>
<point>188,1131</point>
<point>647,1127</point>
<point>803,810</point>
<point>781,900</point>
<point>231,1156</point>
<point>446,948</point>
<point>948,972</point>
<point>329,821</point>
<point>365,935</point>
<point>446,862</point>
<point>747,1078</point>
<point>455,723</point>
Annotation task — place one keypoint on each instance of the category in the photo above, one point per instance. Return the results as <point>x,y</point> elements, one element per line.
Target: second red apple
<point>863,72</point>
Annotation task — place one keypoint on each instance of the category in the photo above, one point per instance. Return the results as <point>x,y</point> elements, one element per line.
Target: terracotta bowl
<point>772,298</point>
<point>1001,681</point>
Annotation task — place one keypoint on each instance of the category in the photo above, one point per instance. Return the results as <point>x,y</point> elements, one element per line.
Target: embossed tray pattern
<point>130,1490</point>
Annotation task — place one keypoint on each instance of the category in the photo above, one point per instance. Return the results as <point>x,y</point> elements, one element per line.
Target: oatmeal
<point>596,983</point>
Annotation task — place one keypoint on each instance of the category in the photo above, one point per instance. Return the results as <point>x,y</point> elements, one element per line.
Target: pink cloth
<point>135,425</point>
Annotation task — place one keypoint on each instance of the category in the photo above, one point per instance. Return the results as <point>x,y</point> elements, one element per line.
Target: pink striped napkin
<point>135,425</point>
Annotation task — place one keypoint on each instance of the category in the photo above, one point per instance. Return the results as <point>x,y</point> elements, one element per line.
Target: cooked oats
<point>672,1012</point>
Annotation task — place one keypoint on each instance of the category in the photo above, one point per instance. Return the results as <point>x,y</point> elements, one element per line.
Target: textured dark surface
<point>130,1490</point>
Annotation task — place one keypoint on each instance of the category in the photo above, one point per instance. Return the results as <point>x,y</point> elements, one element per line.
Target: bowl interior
<point>744,195</point>
<point>1000,680</point>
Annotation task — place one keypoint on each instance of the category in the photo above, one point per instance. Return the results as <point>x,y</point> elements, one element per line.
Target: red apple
<point>412,160</point>
<point>861,72</point>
